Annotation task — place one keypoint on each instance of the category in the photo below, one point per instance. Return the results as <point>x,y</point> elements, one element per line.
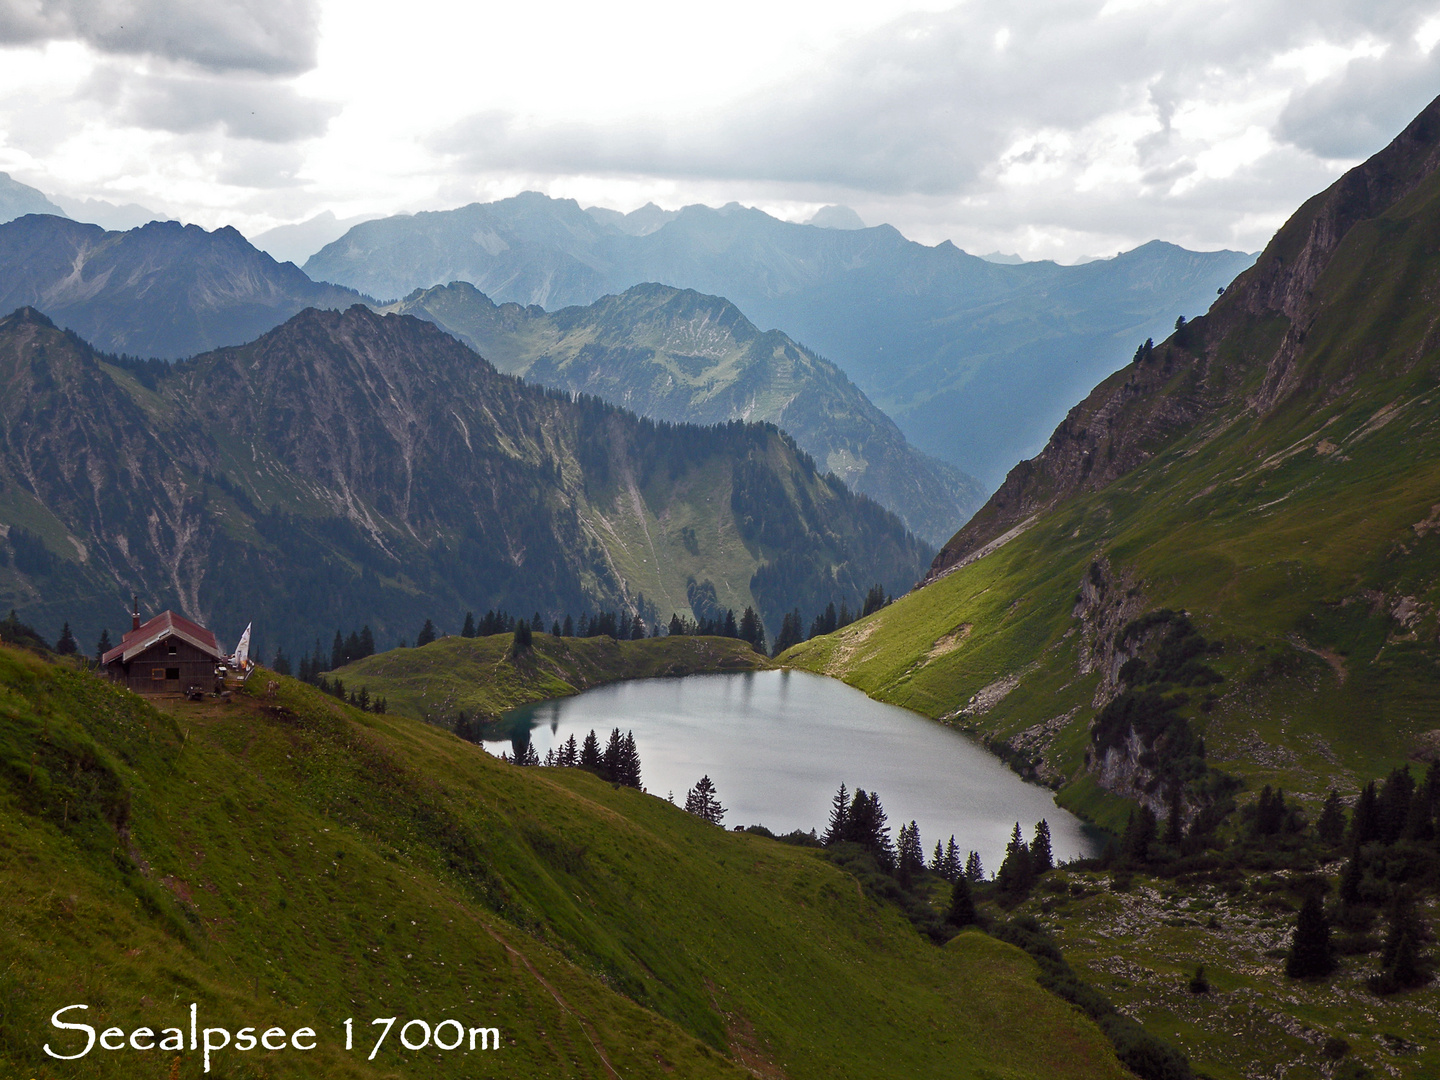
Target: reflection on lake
<point>778,743</point>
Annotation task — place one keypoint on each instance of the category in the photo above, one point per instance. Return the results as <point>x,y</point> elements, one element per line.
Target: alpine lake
<point>777,745</point>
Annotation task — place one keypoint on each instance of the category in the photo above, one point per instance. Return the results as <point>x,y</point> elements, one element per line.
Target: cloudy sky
<point>1052,128</point>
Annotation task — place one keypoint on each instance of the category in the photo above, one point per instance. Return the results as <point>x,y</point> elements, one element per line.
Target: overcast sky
<point>1052,128</point>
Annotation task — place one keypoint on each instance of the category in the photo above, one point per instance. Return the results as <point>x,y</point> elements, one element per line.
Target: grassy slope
<point>1254,1021</point>
<point>476,675</point>
<point>294,861</point>
<point>1303,542</point>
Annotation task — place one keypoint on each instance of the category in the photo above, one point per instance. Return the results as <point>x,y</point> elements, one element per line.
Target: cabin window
<point>172,673</point>
<point>157,673</point>
<point>173,649</point>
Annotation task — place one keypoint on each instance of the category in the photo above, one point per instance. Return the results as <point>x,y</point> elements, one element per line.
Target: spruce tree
<point>974,871</point>
<point>427,635</point>
<point>590,752</point>
<point>701,800</point>
<point>839,827</point>
<point>468,630</point>
<point>610,759</point>
<point>67,645</point>
<point>567,628</point>
<point>102,646</point>
<point>962,904</point>
<point>1310,953</point>
<point>910,858</point>
<point>523,640</point>
<point>1365,819</point>
<point>629,767</point>
<point>367,642</point>
<point>555,628</point>
<point>953,866</point>
<point>281,664</point>
<point>676,627</point>
<point>1041,857</point>
<point>1139,834</point>
<point>1331,824</point>
<point>337,652</point>
<point>1016,873</point>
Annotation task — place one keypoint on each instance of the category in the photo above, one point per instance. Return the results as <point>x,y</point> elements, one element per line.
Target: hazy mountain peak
<point>1003,258</point>
<point>17,200</point>
<point>112,217</point>
<point>836,217</point>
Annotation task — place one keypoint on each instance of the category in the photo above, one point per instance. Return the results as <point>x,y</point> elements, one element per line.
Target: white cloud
<point>276,37</point>
<point>1053,127</point>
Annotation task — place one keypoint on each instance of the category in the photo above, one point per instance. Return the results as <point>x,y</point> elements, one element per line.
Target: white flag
<point>242,650</point>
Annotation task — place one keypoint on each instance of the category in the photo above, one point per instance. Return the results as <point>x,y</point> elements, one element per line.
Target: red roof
<point>166,624</point>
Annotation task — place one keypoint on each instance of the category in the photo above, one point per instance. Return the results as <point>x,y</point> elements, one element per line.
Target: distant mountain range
<point>976,361</point>
<point>162,290</point>
<point>678,355</point>
<point>349,467</point>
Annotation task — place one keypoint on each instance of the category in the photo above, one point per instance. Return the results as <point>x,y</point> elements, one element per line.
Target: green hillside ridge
<point>677,355</point>
<point>1278,484</point>
<point>349,468</point>
<point>284,859</point>
<point>479,676</point>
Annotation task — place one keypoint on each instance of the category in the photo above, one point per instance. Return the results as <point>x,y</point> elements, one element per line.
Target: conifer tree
<point>1041,857</point>
<point>1310,953</point>
<point>730,630</point>
<point>337,652</point>
<point>839,827</point>
<point>555,628</point>
<point>1016,873</point>
<point>468,630</point>
<point>567,628</point>
<point>676,625</point>
<point>628,770</point>
<point>281,664</point>
<point>953,866</point>
<point>610,759</point>
<point>1331,824</point>
<point>522,640</point>
<point>702,801</point>
<point>910,858</point>
<point>1365,819</point>
<point>974,871</point>
<point>590,751</point>
<point>1139,834</point>
<point>937,860</point>
<point>1400,961</point>
<point>962,904</point>
<point>102,646</point>
<point>66,646</point>
<point>427,634</point>
<point>367,642</point>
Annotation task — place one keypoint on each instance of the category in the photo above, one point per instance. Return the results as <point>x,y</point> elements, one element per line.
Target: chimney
<point>135,614</point>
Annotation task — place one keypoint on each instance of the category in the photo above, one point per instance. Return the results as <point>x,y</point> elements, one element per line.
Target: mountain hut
<point>167,655</point>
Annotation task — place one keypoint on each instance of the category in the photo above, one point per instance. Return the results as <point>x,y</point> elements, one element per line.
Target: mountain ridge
<point>385,473</point>
<point>678,355</point>
<point>975,361</point>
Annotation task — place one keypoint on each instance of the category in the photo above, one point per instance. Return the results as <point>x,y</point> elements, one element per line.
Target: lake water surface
<point>777,744</point>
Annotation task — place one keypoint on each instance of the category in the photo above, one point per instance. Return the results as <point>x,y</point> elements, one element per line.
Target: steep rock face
<point>349,467</point>
<point>162,290</point>
<point>681,356</point>
<point>1248,352</point>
